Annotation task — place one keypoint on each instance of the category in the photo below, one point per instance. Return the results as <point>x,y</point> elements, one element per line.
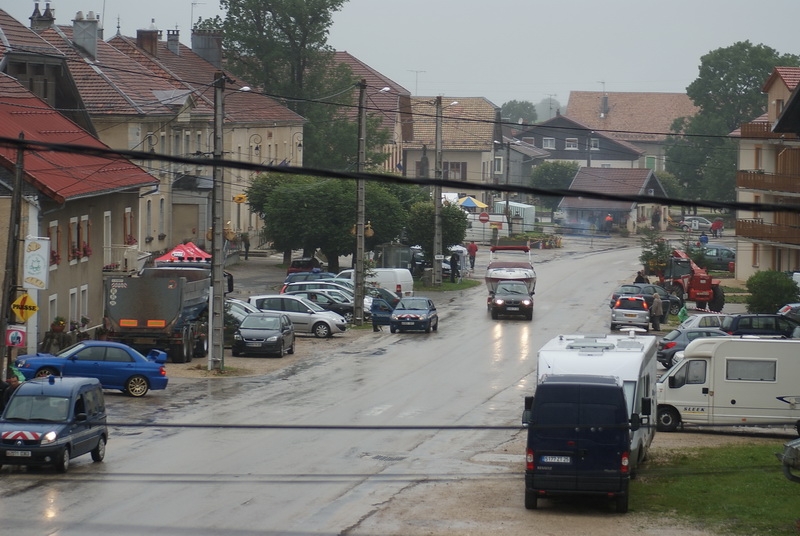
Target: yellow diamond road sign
<point>24,307</point>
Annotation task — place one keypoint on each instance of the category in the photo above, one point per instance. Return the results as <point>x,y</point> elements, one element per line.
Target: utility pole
<point>358,308</point>
<point>508,201</point>
<point>437,200</point>
<point>12,260</point>
<point>216,313</point>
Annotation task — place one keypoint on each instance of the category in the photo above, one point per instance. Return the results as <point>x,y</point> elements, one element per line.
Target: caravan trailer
<point>732,381</point>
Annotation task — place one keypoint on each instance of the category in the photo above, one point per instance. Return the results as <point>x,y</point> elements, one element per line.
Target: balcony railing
<point>763,129</point>
<point>756,229</point>
<point>772,182</point>
<point>124,259</point>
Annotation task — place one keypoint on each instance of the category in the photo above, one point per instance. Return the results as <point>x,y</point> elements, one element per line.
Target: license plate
<point>19,453</point>
<point>556,459</point>
<point>254,345</point>
<point>512,308</point>
<point>629,315</point>
<point>406,323</point>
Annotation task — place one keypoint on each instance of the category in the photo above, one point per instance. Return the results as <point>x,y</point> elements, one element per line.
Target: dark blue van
<point>579,439</point>
<point>49,421</point>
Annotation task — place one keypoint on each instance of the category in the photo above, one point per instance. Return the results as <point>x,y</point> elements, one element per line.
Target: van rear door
<point>553,437</point>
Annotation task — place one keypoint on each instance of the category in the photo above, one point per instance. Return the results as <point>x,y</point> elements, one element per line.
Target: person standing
<point>455,272</point>
<point>656,312</point>
<point>472,251</point>
<point>11,384</point>
<point>246,244</point>
<point>703,239</point>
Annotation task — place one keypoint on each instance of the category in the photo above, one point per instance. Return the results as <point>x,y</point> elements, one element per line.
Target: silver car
<point>630,311</point>
<point>306,316</point>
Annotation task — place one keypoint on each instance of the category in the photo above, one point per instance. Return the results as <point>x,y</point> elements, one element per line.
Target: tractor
<point>682,277</point>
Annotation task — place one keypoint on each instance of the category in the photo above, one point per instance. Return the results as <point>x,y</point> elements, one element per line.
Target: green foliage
<point>556,175</point>
<point>737,489</point>
<point>419,230</point>
<point>546,109</point>
<point>769,291</point>
<point>515,111</point>
<point>672,186</point>
<point>655,250</point>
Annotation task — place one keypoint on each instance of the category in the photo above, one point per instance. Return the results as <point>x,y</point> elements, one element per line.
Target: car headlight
<point>394,317</point>
<point>526,302</point>
<point>273,338</point>
<point>49,437</point>
<point>237,336</point>
<point>499,301</point>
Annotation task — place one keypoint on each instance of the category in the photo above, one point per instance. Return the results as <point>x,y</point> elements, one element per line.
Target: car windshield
<point>69,350</point>
<point>261,322</point>
<point>413,303</point>
<point>512,289</point>
<point>38,408</point>
<point>311,305</point>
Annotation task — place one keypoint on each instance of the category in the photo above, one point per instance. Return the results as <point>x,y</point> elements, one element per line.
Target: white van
<point>732,381</point>
<point>630,358</point>
<point>397,280</point>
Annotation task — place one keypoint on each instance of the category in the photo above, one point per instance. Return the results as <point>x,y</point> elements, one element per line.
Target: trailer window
<point>750,370</point>
<point>693,372</point>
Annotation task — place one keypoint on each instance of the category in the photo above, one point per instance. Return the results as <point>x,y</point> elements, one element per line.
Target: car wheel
<point>621,502</point>
<point>429,326</point>
<point>235,352</point>
<point>531,500</point>
<point>45,372</point>
<point>495,314</point>
<point>201,345</point>
<point>675,307</point>
<point>99,452</point>
<point>668,419</point>
<point>62,463</point>
<point>322,330</point>
<point>348,317</point>
<point>685,228</point>
<point>291,349</point>
<point>393,329</point>
<point>136,386</point>
<point>717,299</point>
<point>282,351</point>
<point>436,325</point>
<point>529,315</point>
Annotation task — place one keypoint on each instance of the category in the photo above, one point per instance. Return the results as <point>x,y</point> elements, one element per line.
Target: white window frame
<point>548,143</point>
<point>571,144</point>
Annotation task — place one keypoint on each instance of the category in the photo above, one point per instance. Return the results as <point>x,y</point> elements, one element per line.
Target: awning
<point>470,202</point>
<point>188,252</point>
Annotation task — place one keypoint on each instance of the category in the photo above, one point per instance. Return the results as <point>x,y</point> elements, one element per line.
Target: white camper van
<point>397,280</point>
<point>732,381</point>
<point>630,358</point>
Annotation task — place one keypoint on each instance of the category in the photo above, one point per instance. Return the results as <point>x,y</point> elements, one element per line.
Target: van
<point>579,439</point>
<point>50,420</point>
<point>732,381</point>
<point>397,280</point>
<point>632,358</point>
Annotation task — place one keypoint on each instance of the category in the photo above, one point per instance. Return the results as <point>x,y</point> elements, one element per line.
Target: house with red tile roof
<point>85,205</point>
<point>769,165</point>
<point>641,119</point>
<point>583,214</point>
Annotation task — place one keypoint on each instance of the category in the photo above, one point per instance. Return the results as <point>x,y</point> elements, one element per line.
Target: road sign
<point>484,217</point>
<point>24,307</point>
<point>16,336</point>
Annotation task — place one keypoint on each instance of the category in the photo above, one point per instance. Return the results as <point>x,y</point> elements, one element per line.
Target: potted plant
<point>58,324</point>
<point>101,333</point>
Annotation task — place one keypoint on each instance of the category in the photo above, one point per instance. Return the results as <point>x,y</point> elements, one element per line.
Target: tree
<point>555,175</point>
<point>419,230</point>
<point>546,108</point>
<point>728,93</point>
<point>655,250</point>
<point>769,291</point>
<point>522,112</point>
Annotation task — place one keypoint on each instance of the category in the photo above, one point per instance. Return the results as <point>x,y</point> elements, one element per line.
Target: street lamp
<point>438,255</point>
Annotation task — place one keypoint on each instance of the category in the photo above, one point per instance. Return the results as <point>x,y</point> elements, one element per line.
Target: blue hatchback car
<point>116,365</point>
<point>414,313</point>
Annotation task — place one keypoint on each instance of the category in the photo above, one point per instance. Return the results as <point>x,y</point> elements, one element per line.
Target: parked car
<point>385,294</point>
<point>313,285</point>
<point>304,264</point>
<point>677,340</point>
<point>116,365</point>
<point>719,257</point>
<point>341,304</point>
<point>306,316</point>
<point>239,309</point>
<point>671,304</point>
<point>703,320</point>
<point>630,311</point>
<point>774,325</point>
<point>296,277</point>
<point>264,333</point>
<point>694,223</point>
<point>414,313</point>
<point>791,311</point>
<point>511,298</point>
<point>49,421</point>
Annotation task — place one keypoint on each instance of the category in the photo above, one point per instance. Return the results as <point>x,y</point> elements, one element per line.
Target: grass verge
<point>738,489</point>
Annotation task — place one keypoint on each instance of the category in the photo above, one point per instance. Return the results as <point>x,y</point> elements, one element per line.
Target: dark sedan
<point>264,333</point>
<point>678,339</point>
<point>671,304</point>
<point>116,365</point>
<point>511,298</point>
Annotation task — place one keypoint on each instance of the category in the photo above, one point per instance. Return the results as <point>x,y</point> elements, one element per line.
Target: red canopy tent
<point>188,252</point>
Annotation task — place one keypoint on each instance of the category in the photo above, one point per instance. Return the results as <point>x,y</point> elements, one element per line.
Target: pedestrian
<point>640,277</point>
<point>703,239</point>
<point>716,228</point>
<point>656,312</point>
<point>246,244</point>
<point>609,222</point>
<point>455,272</point>
<point>472,251</point>
<point>656,219</point>
<point>10,385</point>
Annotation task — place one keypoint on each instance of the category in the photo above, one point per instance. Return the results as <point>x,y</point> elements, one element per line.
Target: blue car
<point>414,313</point>
<point>116,365</point>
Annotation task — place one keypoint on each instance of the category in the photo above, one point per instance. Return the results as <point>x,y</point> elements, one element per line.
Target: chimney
<point>208,45</point>
<point>42,21</point>
<point>84,33</point>
<point>147,39</point>
<point>604,106</point>
<point>173,43</point>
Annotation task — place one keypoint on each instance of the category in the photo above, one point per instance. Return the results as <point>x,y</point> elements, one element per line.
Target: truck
<point>519,269</point>
<point>682,277</point>
<point>163,307</point>
<point>732,381</point>
<point>630,357</point>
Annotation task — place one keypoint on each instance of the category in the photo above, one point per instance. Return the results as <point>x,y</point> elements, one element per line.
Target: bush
<point>769,291</point>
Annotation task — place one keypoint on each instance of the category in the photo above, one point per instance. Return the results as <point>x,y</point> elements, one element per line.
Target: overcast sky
<point>506,49</point>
